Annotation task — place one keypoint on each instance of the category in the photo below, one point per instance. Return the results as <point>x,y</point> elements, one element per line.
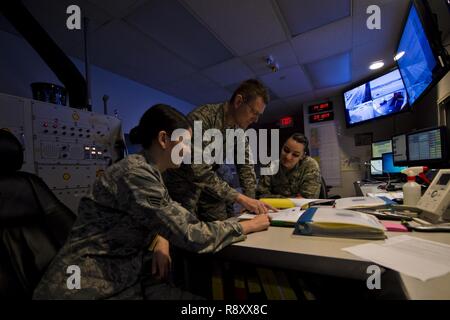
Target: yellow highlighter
<point>278,203</point>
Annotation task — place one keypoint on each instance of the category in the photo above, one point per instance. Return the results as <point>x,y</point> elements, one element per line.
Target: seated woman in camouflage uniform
<point>298,174</point>
<point>128,210</point>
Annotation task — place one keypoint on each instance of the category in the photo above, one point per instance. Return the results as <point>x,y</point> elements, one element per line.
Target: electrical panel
<point>68,148</point>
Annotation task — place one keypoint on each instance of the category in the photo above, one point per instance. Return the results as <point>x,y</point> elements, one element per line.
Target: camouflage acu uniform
<point>304,180</point>
<point>128,207</point>
<point>197,186</point>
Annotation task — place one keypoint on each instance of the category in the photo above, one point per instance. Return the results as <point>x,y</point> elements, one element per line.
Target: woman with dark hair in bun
<point>130,211</point>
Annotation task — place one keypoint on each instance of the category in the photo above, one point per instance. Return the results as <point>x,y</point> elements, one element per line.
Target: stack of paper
<point>415,257</point>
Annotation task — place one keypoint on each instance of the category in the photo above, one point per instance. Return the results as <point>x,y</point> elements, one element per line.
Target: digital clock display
<point>320,117</point>
<point>320,107</point>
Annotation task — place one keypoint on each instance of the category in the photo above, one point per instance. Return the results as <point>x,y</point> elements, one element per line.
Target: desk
<point>362,189</point>
<point>277,247</point>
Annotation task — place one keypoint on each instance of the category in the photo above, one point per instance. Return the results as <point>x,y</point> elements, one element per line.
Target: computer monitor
<point>399,150</point>
<point>388,165</point>
<point>376,167</point>
<point>421,58</point>
<point>380,147</point>
<point>427,146</point>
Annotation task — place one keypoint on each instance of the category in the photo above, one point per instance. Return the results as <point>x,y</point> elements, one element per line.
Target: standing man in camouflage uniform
<point>197,186</point>
<point>298,176</point>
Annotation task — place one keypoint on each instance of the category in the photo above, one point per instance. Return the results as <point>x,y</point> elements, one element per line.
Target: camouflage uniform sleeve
<point>311,185</point>
<point>150,204</point>
<point>246,173</point>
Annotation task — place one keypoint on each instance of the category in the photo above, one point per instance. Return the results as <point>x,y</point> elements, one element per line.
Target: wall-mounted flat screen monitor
<point>420,56</point>
<point>379,97</point>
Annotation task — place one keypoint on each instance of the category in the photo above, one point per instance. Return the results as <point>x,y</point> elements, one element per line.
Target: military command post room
<point>245,151</point>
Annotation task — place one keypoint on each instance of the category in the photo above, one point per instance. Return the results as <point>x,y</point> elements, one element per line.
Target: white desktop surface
<point>278,247</point>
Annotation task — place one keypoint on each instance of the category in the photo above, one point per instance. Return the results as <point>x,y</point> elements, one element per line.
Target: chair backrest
<point>323,189</point>
<point>34,224</point>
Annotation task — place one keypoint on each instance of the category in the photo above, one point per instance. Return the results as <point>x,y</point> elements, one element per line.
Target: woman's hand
<point>253,205</point>
<point>258,223</point>
<point>161,260</point>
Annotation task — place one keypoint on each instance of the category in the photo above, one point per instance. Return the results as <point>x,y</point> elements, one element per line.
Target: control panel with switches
<point>68,148</point>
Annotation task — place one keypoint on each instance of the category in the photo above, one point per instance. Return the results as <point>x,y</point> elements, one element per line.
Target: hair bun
<point>135,136</point>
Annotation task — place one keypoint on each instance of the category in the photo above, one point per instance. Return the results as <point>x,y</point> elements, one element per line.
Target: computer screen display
<point>381,96</point>
<point>399,148</point>
<point>376,167</point>
<point>380,147</point>
<point>388,164</point>
<point>417,60</point>
<point>425,145</point>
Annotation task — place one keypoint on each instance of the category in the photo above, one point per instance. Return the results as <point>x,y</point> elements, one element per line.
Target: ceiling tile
<point>244,26</point>
<point>287,82</point>
<point>326,41</point>
<point>187,37</point>
<point>306,15</point>
<point>118,8</point>
<point>126,51</point>
<point>282,54</point>
<point>331,71</point>
<point>229,72</point>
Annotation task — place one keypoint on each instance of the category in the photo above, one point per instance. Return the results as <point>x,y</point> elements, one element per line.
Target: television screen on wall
<point>420,57</point>
<point>382,96</point>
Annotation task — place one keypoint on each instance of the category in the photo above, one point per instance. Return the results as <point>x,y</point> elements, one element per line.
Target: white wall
<point>20,65</point>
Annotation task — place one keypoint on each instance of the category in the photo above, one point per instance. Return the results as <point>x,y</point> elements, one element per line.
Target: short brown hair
<point>251,89</point>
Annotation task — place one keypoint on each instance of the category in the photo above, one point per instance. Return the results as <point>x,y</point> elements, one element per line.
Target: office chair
<point>34,224</point>
<point>324,189</point>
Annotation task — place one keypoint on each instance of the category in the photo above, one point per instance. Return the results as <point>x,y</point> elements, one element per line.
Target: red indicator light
<point>286,121</point>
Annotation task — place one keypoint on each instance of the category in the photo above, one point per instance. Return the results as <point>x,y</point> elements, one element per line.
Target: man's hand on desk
<point>253,205</point>
<point>258,223</point>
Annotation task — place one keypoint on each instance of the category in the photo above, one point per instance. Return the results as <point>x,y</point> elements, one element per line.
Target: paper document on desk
<point>285,217</point>
<point>415,257</point>
<point>362,202</point>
